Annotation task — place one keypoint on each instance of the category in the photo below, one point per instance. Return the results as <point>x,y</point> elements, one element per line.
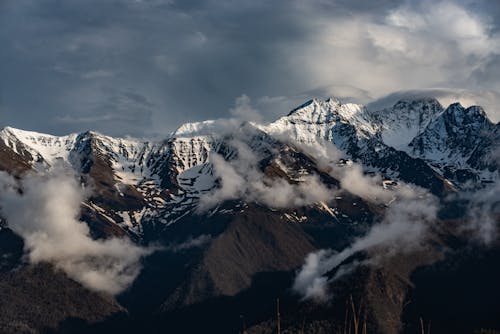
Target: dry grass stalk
<point>278,314</point>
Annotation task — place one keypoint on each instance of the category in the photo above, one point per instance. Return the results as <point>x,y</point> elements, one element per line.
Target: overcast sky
<point>143,67</point>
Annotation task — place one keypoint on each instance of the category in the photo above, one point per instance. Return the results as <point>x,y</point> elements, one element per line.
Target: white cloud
<point>403,229</point>
<point>367,187</point>
<point>46,215</point>
<point>482,223</point>
<point>448,21</point>
<point>241,178</point>
<point>243,110</point>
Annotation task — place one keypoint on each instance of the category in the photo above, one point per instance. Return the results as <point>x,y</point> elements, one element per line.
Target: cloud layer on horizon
<point>144,66</point>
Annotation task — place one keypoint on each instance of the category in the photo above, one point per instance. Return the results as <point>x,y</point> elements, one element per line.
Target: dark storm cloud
<point>142,67</point>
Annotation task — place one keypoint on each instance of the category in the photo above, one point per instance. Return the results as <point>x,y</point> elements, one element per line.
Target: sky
<point>143,67</point>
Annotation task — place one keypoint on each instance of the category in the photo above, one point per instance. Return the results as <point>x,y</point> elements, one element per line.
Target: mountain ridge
<point>159,176</point>
<point>275,193</point>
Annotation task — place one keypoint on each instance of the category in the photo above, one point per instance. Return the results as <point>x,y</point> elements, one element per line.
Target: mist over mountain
<point>333,206</point>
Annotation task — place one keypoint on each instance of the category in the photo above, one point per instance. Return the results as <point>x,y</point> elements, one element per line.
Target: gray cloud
<point>483,212</point>
<point>189,60</point>
<point>46,216</point>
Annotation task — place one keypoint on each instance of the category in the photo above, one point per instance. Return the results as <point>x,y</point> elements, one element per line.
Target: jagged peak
<point>324,111</point>
<point>194,128</point>
<point>51,147</point>
<point>423,108</point>
<point>24,133</point>
<point>460,115</point>
<point>28,137</point>
<point>91,134</point>
<point>455,106</point>
<point>306,104</point>
<point>31,137</point>
<point>329,103</point>
<point>471,110</point>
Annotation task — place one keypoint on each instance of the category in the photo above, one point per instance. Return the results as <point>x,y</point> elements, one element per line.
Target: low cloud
<point>408,225</point>
<point>351,175</point>
<point>483,214</point>
<point>243,110</point>
<point>45,213</point>
<point>404,228</point>
<point>370,187</point>
<point>241,178</point>
<point>324,152</point>
<point>354,181</point>
<point>190,243</point>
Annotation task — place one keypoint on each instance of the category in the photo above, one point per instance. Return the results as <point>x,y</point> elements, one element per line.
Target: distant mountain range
<point>238,206</point>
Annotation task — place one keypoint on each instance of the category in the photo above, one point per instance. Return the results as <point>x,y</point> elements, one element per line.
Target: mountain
<point>455,140</point>
<point>236,207</point>
<point>405,120</point>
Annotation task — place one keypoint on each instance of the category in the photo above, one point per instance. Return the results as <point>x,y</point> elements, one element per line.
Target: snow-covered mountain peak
<point>405,120</point>
<point>457,115</point>
<point>42,147</point>
<point>32,136</point>
<point>456,140</point>
<point>126,155</point>
<point>329,120</point>
<point>142,181</point>
<point>324,111</point>
<point>329,103</point>
<point>211,128</point>
<point>323,118</point>
<point>195,129</point>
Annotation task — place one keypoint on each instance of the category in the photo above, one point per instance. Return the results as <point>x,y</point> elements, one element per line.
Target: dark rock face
<point>38,298</point>
<point>462,142</point>
<point>12,162</point>
<point>256,240</point>
<point>462,287</point>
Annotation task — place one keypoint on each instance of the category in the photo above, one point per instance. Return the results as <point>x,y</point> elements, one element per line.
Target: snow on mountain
<point>195,129</point>
<point>405,120</point>
<point>127,156</point>
<point>190,152</point>
<point>138,181</point>
<point>354,131</point>
<point>450,140</point>
<point>486,156</point>
<point>42,147</point>
<point>323,119</point>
